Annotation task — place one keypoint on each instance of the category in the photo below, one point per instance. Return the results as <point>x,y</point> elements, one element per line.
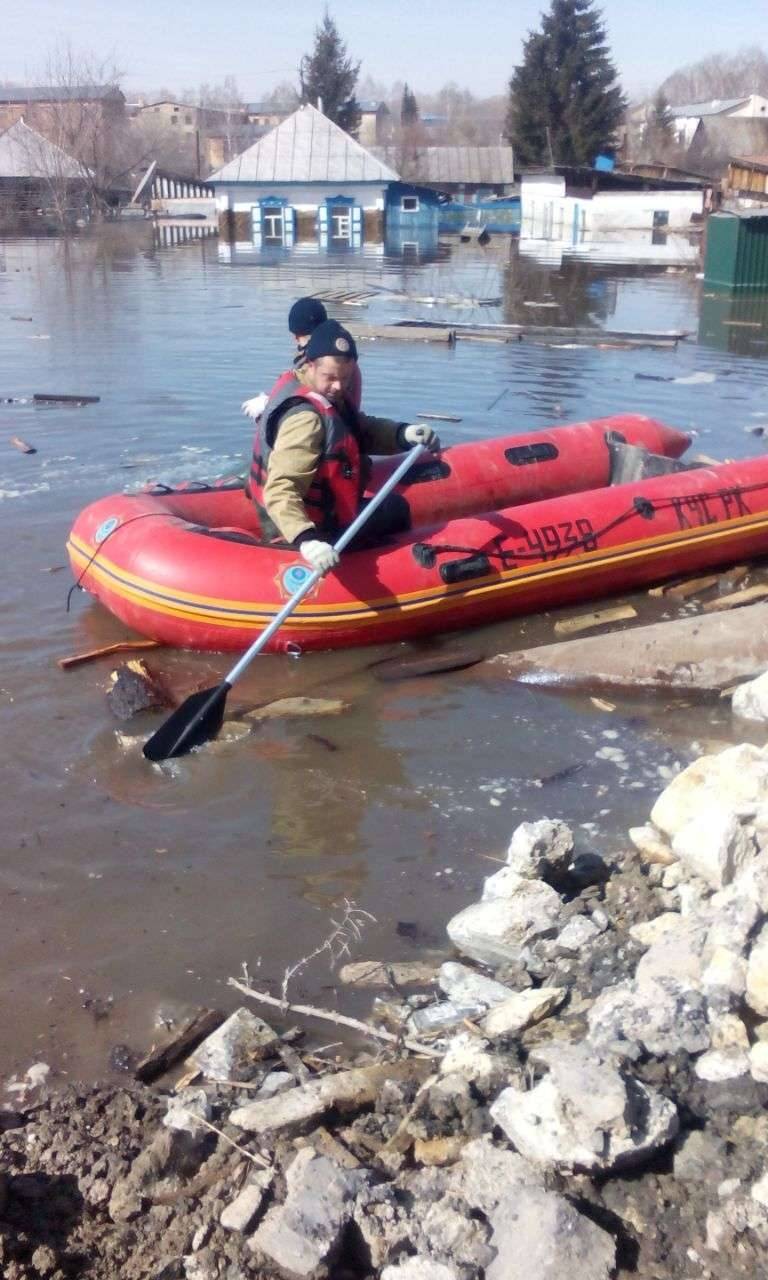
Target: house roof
<point>715,107</point>
<point>436,165</point>
<point>55,93</point>
<point>752,162</point>
<point>307,147</point>
<point>25,153</point>
<point>267,109</point>
<point>370,106</point>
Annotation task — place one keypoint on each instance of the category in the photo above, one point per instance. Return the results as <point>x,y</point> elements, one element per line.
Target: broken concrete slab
<point>463,985</point>
<point>522,1010</point>
<point>750,700</point>
<point>419,1268</point>
<point>651,845</point>
<point>757,974</point>
<point>487,1174</point>
<point>734,778</point>
<point>713,844</point>
<point>494,931</point>
<point>347,1091</point>
<point>586,1114</point>
<point>235,1048</point>
<point>661,1015</point>
<point>539,1235</point>
<point>537,847</point>
<point>305,1231</point>
<point>706,653</point>
<point>240,1214</point>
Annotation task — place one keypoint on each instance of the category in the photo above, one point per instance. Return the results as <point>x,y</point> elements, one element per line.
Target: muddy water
<point>130,895</point>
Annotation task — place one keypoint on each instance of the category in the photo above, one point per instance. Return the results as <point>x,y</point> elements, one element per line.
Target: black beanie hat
<point>330,339</point>
<point>305,315</point>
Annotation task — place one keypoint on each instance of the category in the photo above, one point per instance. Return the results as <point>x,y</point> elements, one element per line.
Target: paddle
<point>200,717</point>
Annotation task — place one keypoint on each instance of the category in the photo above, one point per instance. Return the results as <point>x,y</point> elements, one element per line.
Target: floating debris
<point>22,445</point>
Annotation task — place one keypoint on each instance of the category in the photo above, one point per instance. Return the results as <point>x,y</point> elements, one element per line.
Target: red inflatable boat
<point>185,566</point>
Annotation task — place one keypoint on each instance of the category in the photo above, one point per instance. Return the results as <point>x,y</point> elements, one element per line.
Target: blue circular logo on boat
<point>106,527</point>
<point>294,577</point>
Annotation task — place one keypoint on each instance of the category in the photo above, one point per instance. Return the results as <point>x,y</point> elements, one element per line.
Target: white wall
<point>240,196</point>
<point>546,214</point>
<point>756,107</point>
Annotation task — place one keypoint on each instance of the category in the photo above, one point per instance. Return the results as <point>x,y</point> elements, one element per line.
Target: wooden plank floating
<point>161,1059</point>
<point>440,417</point>
<point>434,331</point>
<point>90,655</point>
<point>571,626</point>
<point>370,332</point>
<point>43,398</point>
<point>747,595</point>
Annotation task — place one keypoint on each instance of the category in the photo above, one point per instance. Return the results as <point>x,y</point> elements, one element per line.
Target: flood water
<point>129,894</point>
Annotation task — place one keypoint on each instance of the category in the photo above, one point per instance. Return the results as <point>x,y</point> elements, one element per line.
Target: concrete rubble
<point>594,1102</point>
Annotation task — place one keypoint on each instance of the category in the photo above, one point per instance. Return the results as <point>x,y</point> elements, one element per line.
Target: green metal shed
<point>737,250</point>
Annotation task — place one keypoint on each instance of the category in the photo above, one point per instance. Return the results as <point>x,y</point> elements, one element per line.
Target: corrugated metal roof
<point>715,107</point>
<point>479,166</point>
<point>53,93</point>
<point>307,147</point>
<point>25,153</point>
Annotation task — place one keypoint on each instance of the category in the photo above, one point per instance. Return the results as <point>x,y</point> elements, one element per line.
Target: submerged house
<point>571,202</point>
<point>307,181</point>
<point>475,184</point>
<point>36,175</point>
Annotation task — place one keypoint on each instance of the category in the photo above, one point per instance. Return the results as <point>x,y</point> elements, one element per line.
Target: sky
<point>476,43</point>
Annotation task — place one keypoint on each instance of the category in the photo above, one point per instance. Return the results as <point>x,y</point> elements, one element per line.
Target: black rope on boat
<point>132,520</point>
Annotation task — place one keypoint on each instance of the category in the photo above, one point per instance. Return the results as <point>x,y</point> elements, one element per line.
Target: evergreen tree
<point>409,108</point>
<point>661,134</point>
<point>565,102</point>
<point>329,74</point>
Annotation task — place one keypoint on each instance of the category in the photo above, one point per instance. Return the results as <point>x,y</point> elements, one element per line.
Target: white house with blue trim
<point>307,181</point>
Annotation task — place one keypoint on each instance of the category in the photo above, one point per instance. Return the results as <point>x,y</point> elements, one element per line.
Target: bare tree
<point>83,116</point>
<point>722,75</point>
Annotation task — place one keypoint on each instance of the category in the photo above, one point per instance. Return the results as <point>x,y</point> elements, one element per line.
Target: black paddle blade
<point>196,721</point>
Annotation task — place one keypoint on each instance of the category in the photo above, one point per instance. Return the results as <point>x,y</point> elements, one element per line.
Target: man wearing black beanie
<point>303,318</point>
<point>310,461</point>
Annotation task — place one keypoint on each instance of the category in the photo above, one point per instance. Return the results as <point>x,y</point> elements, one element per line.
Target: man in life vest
<point>303,318</point>
<point>310,462</point>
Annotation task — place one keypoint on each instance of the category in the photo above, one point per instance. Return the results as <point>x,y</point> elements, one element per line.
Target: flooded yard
<point>130,895</point>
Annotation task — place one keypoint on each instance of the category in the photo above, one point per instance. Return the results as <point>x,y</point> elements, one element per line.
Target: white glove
<point>320,556</point>
<point>255,407</point>
<point>419,433</point>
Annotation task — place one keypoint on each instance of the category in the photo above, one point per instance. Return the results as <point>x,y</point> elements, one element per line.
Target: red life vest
<point>333,498</point>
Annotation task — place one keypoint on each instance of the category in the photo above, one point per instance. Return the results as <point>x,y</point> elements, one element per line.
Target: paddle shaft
<point>357,524</point>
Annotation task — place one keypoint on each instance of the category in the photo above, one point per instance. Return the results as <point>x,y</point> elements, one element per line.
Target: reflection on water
<point>735,322</point>
<point>156,886</point>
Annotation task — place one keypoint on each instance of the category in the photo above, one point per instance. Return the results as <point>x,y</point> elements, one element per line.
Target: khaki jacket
<point>295,456</point>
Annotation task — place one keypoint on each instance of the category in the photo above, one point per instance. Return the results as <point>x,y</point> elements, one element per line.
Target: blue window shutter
<point>322,225</point>
<point>357,226</point>
<point>256,225</point>
<point>289,226</point>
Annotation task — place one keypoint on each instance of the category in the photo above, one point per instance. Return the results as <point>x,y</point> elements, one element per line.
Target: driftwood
<point>23,446</point>
<point>583,621</point>
<point>106,650</point>
<point>413,668</point>
<point>311,1011</point>
<point>62,399</point>
<point>162,1058</point>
